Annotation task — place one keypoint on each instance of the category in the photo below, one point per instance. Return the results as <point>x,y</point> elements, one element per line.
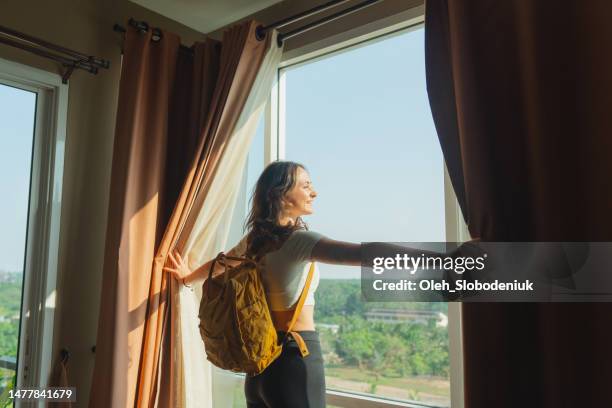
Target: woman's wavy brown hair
<point>265,233</point>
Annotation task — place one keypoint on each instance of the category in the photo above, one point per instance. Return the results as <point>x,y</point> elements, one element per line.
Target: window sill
<point>357,400</point>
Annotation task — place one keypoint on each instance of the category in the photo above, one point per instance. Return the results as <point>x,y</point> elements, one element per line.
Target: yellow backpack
<point>235,322</point>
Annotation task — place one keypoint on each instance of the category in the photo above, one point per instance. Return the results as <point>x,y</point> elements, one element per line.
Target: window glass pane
<point>17,115</point>
<point>360,122</point>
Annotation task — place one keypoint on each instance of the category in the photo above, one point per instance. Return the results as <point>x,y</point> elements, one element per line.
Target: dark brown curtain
<point>521,95</point>
<point>175,115</point>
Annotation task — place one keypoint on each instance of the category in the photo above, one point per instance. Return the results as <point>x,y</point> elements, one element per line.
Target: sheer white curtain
<point>209,236</point>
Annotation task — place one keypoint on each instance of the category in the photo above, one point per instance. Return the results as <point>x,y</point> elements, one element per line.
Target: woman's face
<point>298,200</point>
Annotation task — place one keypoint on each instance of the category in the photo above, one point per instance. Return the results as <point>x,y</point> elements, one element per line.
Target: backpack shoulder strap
<point>221,258</point>
<point>296,336</point>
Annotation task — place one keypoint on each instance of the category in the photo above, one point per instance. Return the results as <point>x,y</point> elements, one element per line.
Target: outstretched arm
<point>347,253</point>
<point>336,252</point>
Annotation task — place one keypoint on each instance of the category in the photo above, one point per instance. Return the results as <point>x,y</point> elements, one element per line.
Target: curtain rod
<point>285,36</point>
<point>70,59</point>
<point>262,30</point>
<point>302,15</point>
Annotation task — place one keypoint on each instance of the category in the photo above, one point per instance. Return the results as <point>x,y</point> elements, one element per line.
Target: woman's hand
<point>180,267</point>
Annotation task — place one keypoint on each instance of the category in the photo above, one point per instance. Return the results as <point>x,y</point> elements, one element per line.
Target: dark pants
<point>291,381</point>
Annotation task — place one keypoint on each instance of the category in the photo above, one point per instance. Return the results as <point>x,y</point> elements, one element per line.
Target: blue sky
<point>360,122</point>
<point>16,136</point>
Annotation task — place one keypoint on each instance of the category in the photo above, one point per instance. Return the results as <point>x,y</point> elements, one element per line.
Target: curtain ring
<point>260,33</point>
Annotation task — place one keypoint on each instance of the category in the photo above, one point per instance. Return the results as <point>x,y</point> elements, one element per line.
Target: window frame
<point>456,230</point>
<point>41,261</point>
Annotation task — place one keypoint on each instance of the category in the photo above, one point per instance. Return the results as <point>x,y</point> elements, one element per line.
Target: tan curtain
<point>177,115</point>
<point>59,378</point>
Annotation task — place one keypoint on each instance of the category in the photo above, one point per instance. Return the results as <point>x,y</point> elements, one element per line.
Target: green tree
<point>8,338</point>
<point>354,304</point>
<point>355,344</point>
<point>388,350</point>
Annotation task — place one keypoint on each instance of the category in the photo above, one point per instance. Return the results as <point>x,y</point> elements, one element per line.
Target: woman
<point>279,239</point>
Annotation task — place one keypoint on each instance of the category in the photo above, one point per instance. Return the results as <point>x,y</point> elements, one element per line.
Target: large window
<point>32,136</point>
<point>359,120</point>
<point>17,114</point>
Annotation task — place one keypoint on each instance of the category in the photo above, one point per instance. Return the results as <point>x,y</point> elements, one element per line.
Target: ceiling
<point>205,15</point>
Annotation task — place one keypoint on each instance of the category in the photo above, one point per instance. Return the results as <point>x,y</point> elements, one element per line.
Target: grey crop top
<point>284,271</point>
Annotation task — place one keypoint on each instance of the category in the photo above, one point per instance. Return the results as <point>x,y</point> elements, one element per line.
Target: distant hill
<point>10,277</point>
